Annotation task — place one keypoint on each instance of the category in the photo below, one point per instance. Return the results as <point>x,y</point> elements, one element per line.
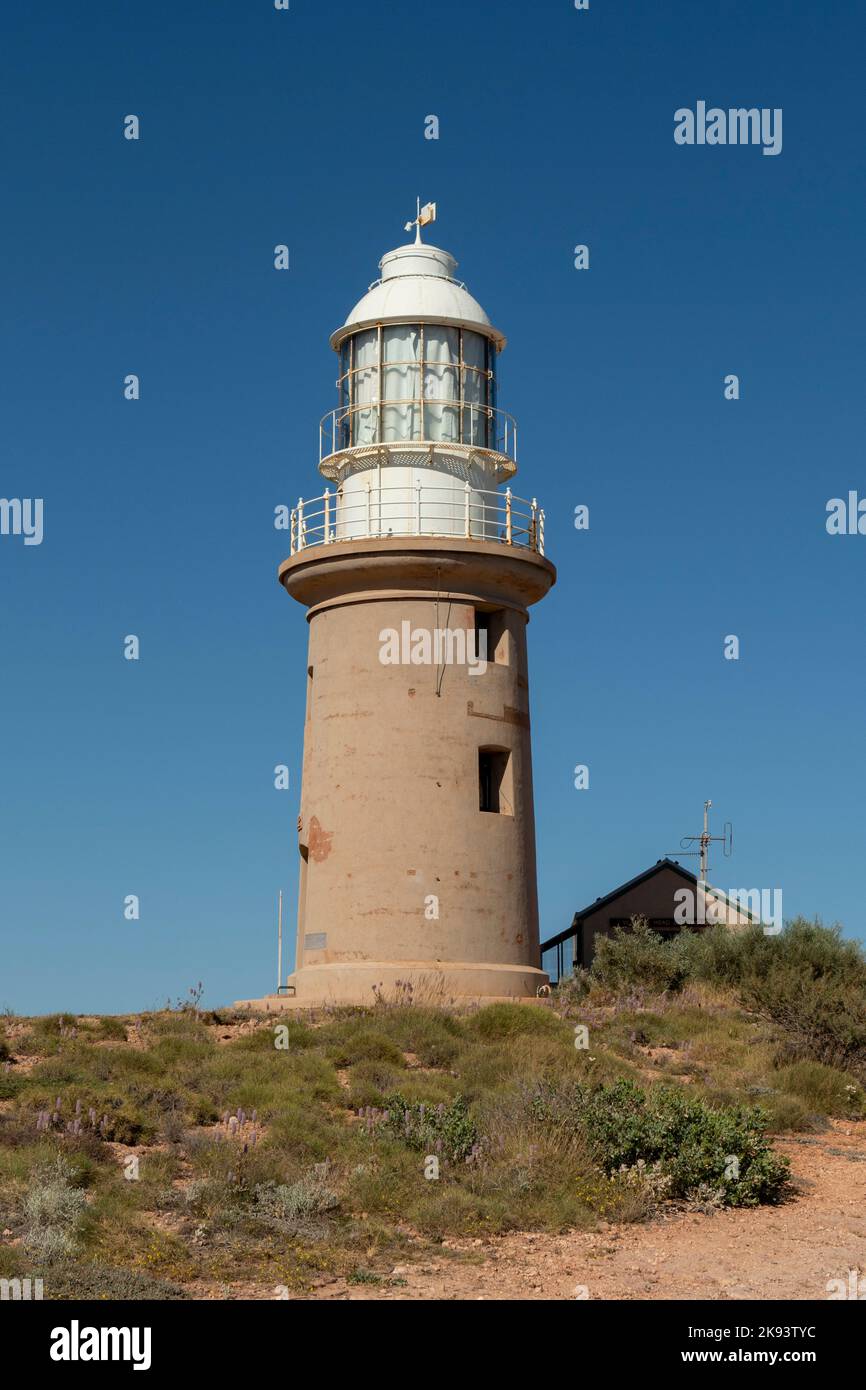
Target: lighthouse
<point>417,565</point>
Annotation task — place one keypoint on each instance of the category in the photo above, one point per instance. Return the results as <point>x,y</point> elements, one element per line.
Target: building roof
<point>633,883</point>
<point>417,283</point>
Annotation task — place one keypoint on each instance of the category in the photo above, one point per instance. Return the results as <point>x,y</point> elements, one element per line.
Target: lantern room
<point>430,378</point>
<point>417,443</point>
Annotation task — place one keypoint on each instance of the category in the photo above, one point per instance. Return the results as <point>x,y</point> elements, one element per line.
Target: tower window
<point>491,635</point>
<point>495,791</point>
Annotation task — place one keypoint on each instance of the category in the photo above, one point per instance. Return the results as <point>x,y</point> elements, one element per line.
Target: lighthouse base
<point>412,982</point>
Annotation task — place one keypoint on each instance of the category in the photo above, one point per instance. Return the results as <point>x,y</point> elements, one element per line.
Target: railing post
<point>533,526</point>
<point>508,516</point>
<point>327,515</point>
<point>418,508</point>
<point>300,523</point>
<point>466,491</point>
<point>292,524</point>
<point>514,437</point>
<point>541,532</point>
<point>369,510</point>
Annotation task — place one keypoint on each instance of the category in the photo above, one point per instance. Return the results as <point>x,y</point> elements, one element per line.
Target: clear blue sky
<point>707,516</point>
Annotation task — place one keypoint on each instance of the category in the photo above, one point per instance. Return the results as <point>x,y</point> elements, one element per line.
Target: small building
<point>656,894</point>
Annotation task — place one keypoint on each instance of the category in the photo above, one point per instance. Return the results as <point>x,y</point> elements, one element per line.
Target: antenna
<point>422,217</point>
<point>705,839</point>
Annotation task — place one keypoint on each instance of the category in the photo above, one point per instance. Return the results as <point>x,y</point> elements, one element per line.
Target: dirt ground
<point>785,1252</point>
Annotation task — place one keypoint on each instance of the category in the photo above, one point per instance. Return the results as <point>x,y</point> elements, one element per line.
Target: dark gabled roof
<point>623,888</point>
<point>633,883</point>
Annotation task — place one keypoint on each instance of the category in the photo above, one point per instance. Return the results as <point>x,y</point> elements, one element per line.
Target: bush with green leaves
<point>807,979</point>
<point>825,1021</point>
<point>446,1130</point>
<point>808,950</point>
<point>638,957</point>
<point>696,1147</point>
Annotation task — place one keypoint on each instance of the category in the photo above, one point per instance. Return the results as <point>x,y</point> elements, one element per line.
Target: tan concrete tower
<point>417,566</point>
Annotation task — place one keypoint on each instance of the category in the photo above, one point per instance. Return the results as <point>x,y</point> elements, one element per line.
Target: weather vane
<point>424,215</point>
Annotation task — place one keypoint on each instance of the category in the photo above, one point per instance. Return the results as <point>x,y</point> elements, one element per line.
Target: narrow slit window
<point>495,794</point>
<point>492,641</point>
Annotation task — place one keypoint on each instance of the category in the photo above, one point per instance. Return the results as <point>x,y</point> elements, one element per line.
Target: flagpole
<point>280,942</point>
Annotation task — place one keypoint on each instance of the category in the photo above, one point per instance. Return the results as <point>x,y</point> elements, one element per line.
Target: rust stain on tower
<point>319,842</point>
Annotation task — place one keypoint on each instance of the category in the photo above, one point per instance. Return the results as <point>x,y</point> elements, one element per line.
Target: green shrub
<point>824,1090</point>
<point>291,1033</point>
<point>434,1037</point>
<point>370,1081</point>
<point>446,1130</point>
<point>698,1148</point>
<point>302,1132</point>
<point>808,950</point>
<point>111,1029</point>
<point>806,979</point>
<point>357,1044</point>
<point>637,958</point>
<point>10,1085</point>
<point>509,1020</point>
<point>825,1019</point>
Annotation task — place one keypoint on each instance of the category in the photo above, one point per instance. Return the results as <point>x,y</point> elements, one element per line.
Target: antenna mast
<point>705,839</point>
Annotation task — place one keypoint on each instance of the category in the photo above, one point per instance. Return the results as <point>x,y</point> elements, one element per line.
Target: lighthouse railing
<point>370,511</point>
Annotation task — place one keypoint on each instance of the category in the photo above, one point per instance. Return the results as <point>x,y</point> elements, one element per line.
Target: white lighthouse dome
<point>418,284</point>
<point>418,444</point>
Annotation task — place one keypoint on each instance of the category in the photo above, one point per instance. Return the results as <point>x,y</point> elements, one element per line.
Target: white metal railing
<point>464,423</point>
<point>419,510</point>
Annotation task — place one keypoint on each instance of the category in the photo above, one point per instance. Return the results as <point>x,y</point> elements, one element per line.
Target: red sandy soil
<point>784,1252</point>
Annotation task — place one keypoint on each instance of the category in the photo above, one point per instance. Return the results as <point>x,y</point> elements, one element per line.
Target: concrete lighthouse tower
<point>417,567</point>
